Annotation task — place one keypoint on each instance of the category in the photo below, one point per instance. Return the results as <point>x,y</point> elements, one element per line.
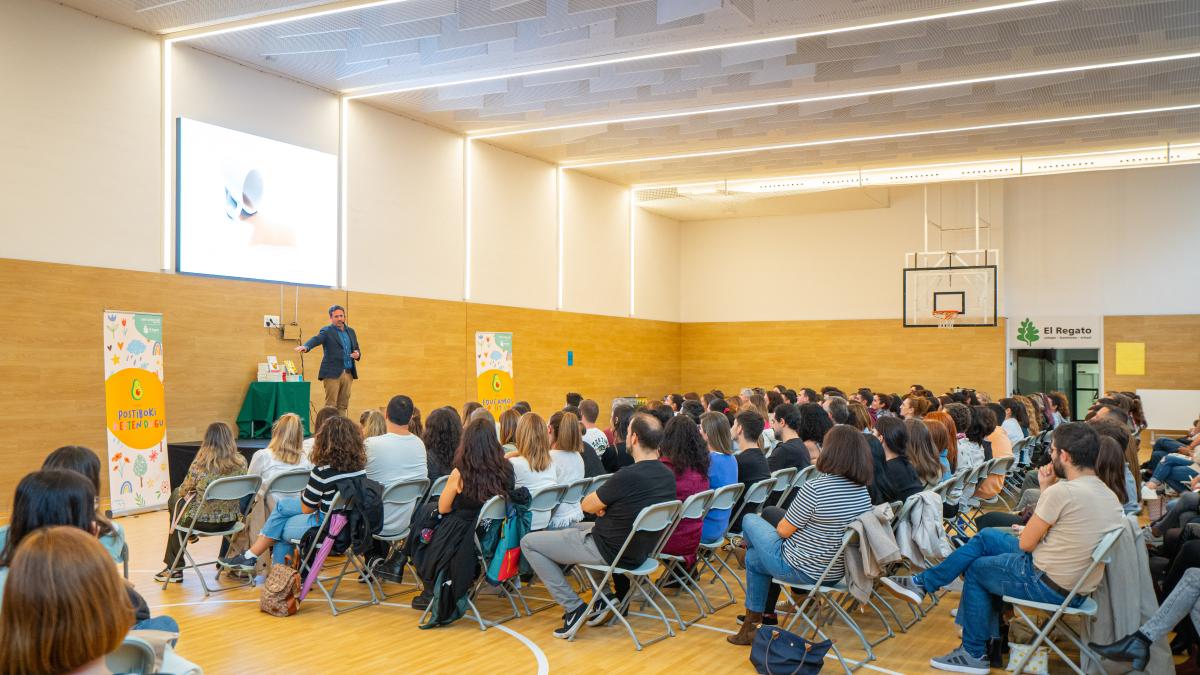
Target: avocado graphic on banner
<point>494,371</point>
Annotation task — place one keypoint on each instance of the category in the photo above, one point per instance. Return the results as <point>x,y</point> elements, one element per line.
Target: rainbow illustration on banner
<point>494,371</point>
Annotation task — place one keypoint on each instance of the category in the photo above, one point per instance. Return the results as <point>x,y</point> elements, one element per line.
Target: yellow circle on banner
<point>134,407</point>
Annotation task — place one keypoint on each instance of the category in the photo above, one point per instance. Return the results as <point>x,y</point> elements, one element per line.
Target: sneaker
<point>601,612</point>
<point>238,562</point>
<point>959,661</point>
<point>767,620</point>
<point>175,577</point>
<point>905,588</point>
<point>571,621</point>
<point>422,602</point>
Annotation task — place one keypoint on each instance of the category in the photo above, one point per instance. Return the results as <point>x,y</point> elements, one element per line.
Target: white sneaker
<point>1149,494</point>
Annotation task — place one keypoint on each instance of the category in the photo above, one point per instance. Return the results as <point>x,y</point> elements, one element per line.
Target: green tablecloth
<point>268,401</point>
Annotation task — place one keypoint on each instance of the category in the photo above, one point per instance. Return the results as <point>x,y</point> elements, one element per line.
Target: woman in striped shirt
<point>338,453</point>
<point>807,537</point>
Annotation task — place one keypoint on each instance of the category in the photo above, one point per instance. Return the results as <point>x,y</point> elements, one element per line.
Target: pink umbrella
<point>336,523</point>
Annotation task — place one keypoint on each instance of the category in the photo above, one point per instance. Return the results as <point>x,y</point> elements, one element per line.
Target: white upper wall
<point>595,246</point>
<point>657,266</point>
<point>1106,242</point>
<point>80,135</point>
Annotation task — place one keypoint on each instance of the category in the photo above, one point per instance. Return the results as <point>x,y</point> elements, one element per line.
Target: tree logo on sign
<point>1027,332</point>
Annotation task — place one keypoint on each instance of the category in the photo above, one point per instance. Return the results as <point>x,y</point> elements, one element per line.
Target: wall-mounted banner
<point>1055,332</point>
<point>136,419</point>
<point>494,371</point>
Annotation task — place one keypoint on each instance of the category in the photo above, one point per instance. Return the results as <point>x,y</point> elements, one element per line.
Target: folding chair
<point>653,518</point>
<point>901,515</point>
<point>134,655</point>
<point>755,498</point>
<point>694,507</point>
<point>398,496</point>
<point>286,483</point>
<point>495,508</point>
<point>544,501</point>
<point>783,483</point>
<point>597,481</point>
<point>231,488</point>
<point>314,561</point>
<point>1087,610</point>
<point>724,498</point>
<point>998,466</point>
<point>822,592</point>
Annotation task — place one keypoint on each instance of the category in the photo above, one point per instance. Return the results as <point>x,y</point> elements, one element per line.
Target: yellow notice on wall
<point>1131,358</point>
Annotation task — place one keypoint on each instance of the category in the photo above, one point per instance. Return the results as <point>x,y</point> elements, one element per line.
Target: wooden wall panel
<point>880,354</point>
<point>1172,351</point>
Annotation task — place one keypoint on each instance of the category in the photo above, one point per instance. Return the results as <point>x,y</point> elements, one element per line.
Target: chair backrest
<point>803,476</point>
<point>493,509</point>
<point>783,478</point>
<point>696,505</point>
<point>288,482</point>
<point>547,498</point>
<point>597,481</point>
<point>439,484</point>
<point>758,492</point>
<point>654,518</point>
<point>725,497</point>
<point>1001,465</point>
<point>232,487</point>
<point>134,655</point>
<point>575,490</point>
<point>905,509</point>
<point>406,492</point>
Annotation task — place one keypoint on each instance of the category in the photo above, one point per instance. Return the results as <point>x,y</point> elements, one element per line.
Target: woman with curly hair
<point>684,451</point>
<point>443,431</point>
<point>338,453</point>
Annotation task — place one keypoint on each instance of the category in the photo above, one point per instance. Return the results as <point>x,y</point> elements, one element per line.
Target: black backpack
<point>364,514</point>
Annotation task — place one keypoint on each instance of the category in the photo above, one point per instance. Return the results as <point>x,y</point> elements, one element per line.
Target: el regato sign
<point>1055,332</point>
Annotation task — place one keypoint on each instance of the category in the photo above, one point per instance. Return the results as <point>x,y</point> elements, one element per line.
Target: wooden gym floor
<point>226,633</point>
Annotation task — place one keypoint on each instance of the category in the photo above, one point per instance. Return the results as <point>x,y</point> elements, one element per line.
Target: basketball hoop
<point>946,317</point>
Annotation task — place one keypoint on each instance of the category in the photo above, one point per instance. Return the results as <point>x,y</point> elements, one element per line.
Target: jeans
<point>765,561</point>
<point>1162,448</point>
<point>287,522</point>
<point>993,566</point>
<point>164,623</point>
<point>1183,600</point>
<point>1188,503</point>
<point>1176,471</point>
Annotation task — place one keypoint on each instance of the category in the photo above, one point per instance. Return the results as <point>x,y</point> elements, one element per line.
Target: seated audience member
<point>722,469</point>
<point>1175,471</point>
<point>914,407</point>
<point>532,467</point>
<point>1183,601</point>
<point>1031,416</point>
<point>1015,420</point>
<point>752,464</point>
<point>996,444</point>
<point>943,444</point>
<point>508,422</point>
<point>480,473</point>
<point>593,437</point>
<point>791,450</point>
<point>693,409</point>
<point>568,468</point>
<point>65,606</point>
<point>469,409</point>
<point>951,448</point>
<point>574,399</point>
<point>722,406</point>
<point>1110,468</point>
<point>443,431</point>
<point>284,452</point>
<point>617,454</point>
<point>895,478</point>
<point>675,401</point>
<point>566,435</point>
<point>814,424</point>
<point>86,463</point>
<point>218,457</point>
<point>394,457</point>
<point>522,407</point>
<point>860,417</point>
<point>322,416</point>
<point>1059,408</point>
<point>373,423</point>
<point>971,452</point>
<point>924,456</point>
<point>798,545</point>
<point>1165,446</point>
<point>881,406</point>
<point>1075,511</point>
<point>684,451</point>
<point>338,454</point>
<point>415,427</point>
<point>54,497</point>
<point>617,504</point>
<point>807,395</point>
<point>837,408</point>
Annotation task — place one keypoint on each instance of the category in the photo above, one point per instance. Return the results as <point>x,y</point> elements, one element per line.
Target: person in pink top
<point>683,450</point>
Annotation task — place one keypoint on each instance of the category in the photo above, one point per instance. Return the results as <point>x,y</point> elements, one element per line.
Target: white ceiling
<point>429,47</point>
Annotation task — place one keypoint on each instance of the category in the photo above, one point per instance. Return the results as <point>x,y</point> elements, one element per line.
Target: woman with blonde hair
<point>373,423</point>
<point>1031,414</point>
<point>65,607</point>
<point>284,453</point>
<point>566,435</point>
<point>415,427</point>
<point>860,418</point>
<point>218,457</point>
<point>532,467</point>
<point>509,420</point>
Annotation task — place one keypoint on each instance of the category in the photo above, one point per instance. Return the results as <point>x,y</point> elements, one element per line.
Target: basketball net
<point>946,317</point>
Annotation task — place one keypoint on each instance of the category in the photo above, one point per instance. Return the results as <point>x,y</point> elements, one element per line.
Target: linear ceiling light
<point>184,34</point>
<point>842,96</point>
<point>879,137</point>
<point>375,91</point>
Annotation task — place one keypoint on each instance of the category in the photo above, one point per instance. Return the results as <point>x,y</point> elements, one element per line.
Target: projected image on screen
<point>255,208</point>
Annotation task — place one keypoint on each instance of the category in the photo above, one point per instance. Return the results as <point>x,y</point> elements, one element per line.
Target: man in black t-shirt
<point>617,503</point>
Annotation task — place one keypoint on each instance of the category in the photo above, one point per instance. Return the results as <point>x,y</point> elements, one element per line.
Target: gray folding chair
<point>436,488</point>
<point>133,656</point>
<point>544,501</point>
<point>290,483</point>
<point>654,518</point>
<point>1086,610</point>
<point>231,488</point>
<point>495,508</point>
<point>724,498</point>
<point>675,570</point>
<point>783,483</point>
<point>997,466</point>
<point>352,560</point>
<point>597,481</point>
<point>403,495</point>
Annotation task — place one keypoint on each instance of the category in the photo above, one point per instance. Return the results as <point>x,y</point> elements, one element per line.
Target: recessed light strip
<point>842,96</point>
<point>375,91</point>
<point>275,19</point>
<point>880,137</point>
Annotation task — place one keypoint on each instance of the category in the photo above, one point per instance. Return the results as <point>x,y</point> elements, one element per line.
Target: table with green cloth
<point>268,401</point>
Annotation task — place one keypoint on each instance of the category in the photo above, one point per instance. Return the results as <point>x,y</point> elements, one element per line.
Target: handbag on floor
<point>777,652</point>
<point>1038,665</point>
<point>280,595</point>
